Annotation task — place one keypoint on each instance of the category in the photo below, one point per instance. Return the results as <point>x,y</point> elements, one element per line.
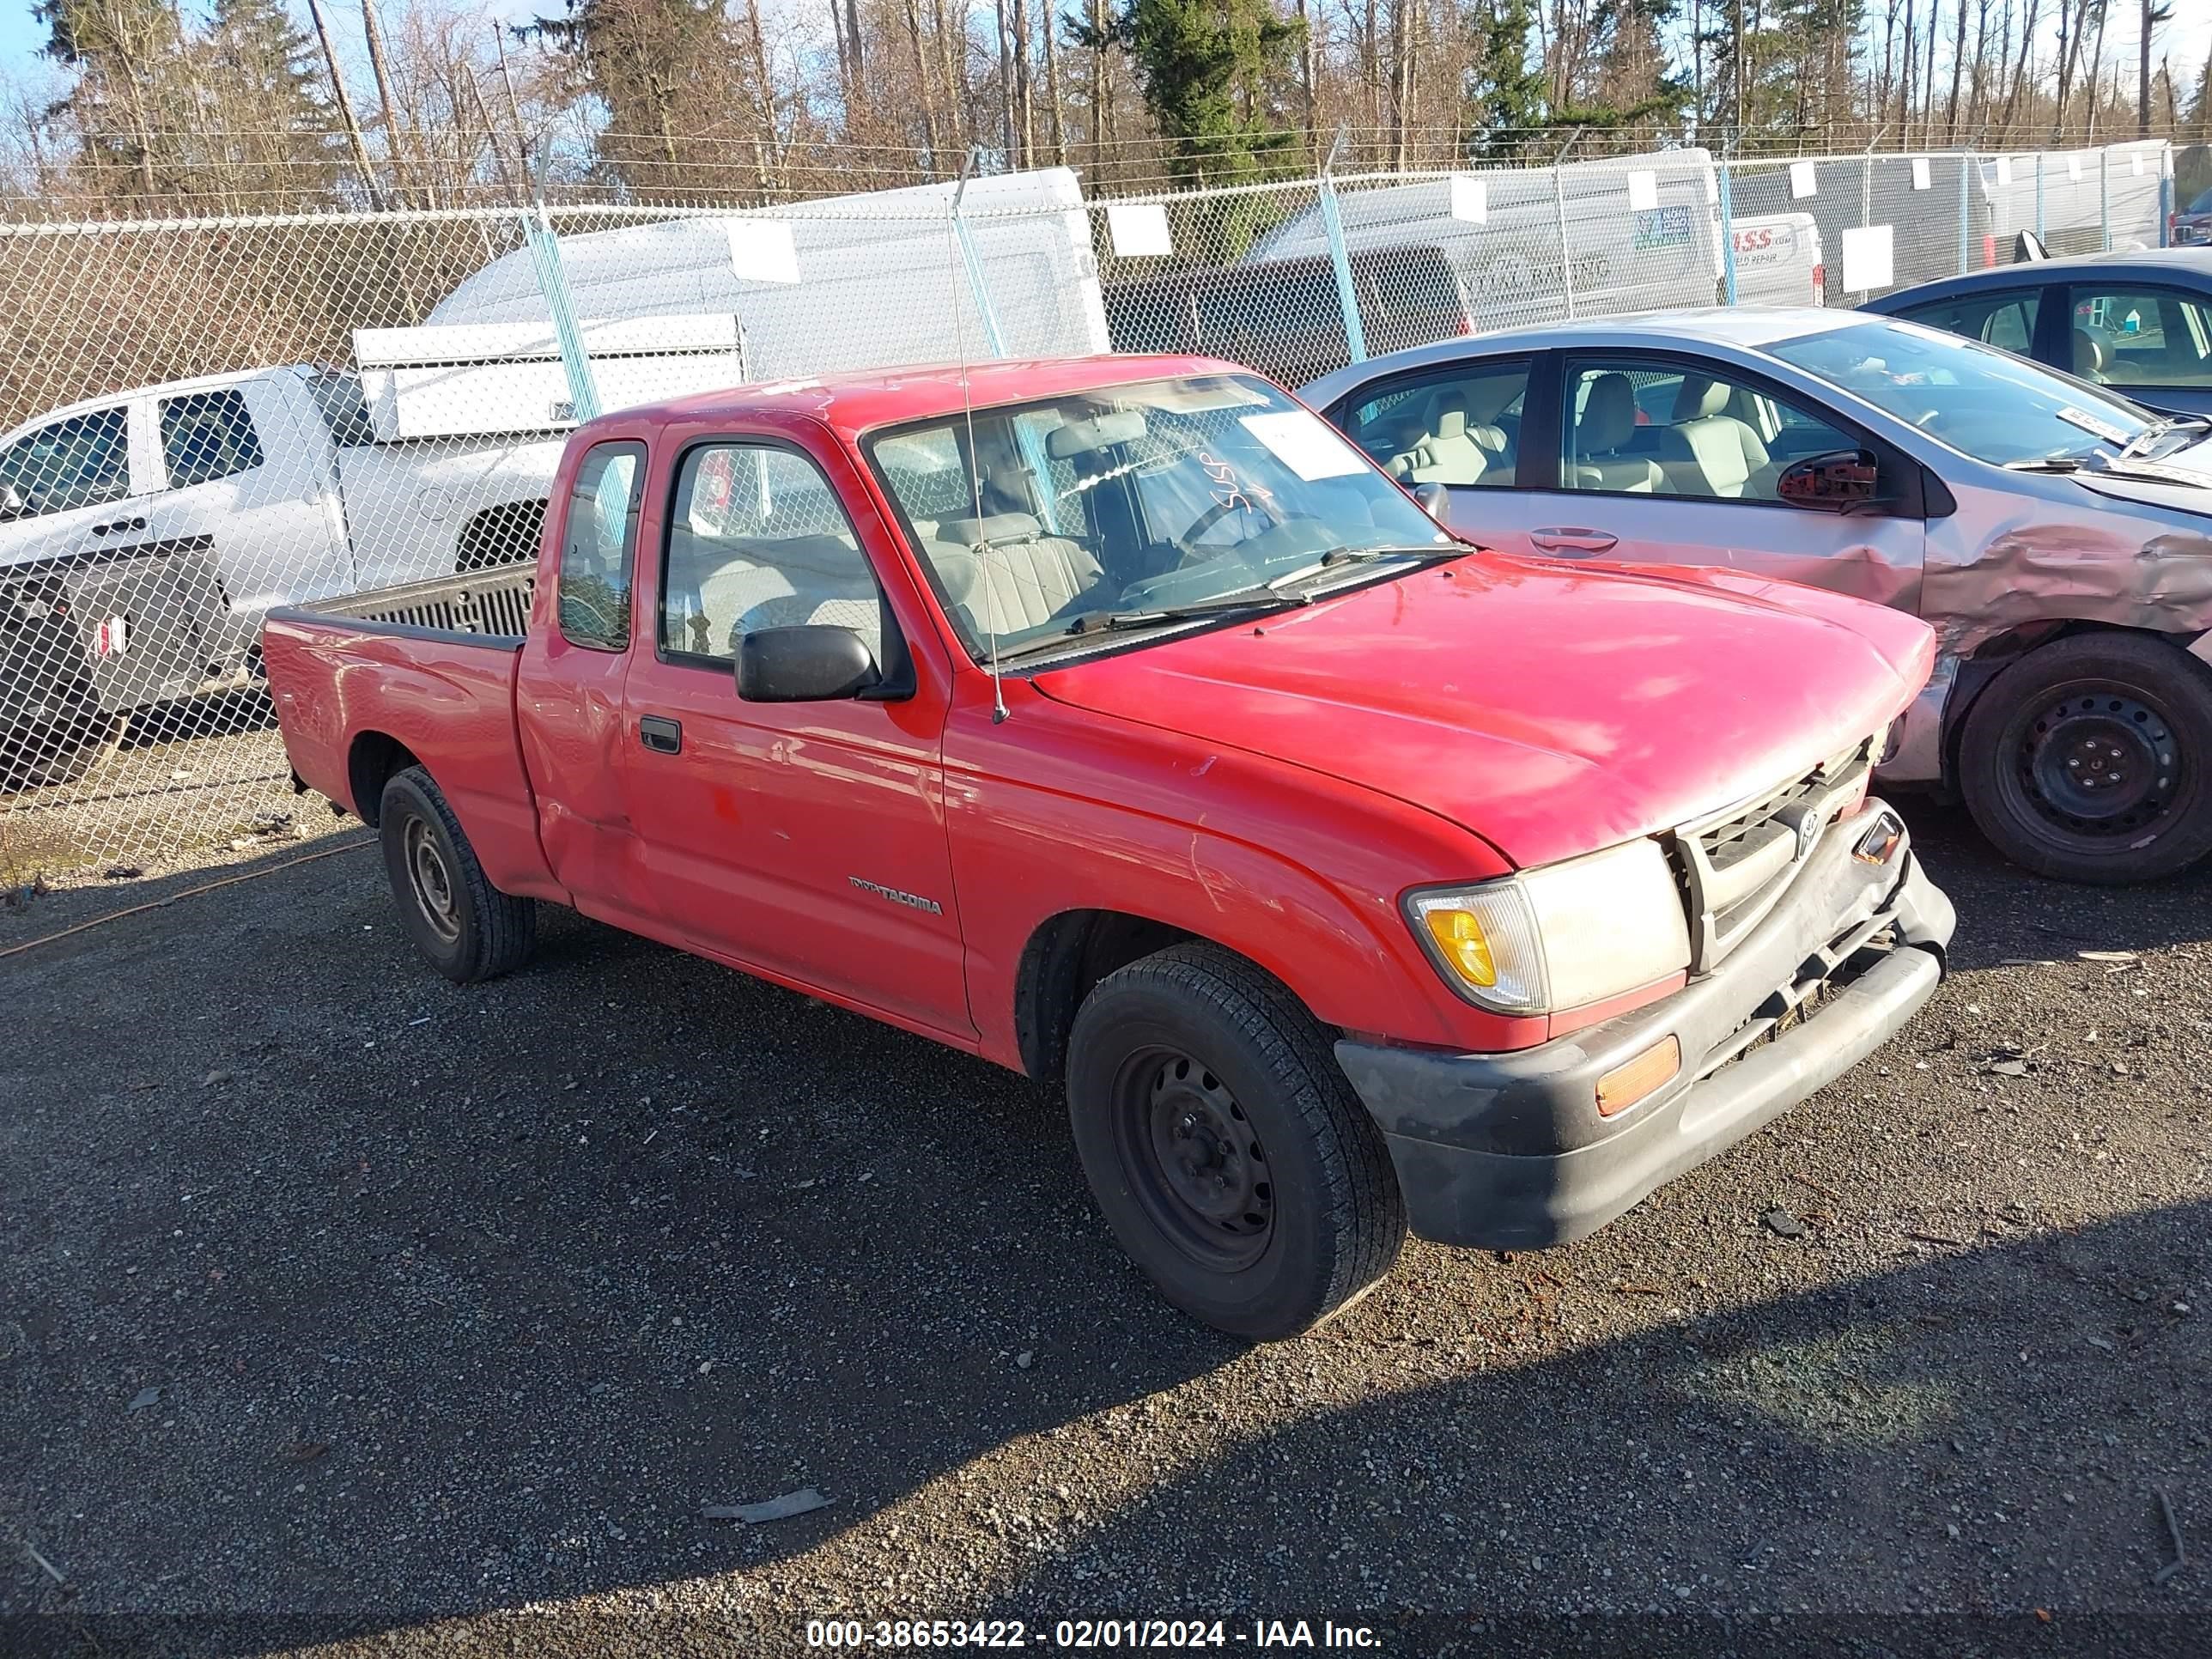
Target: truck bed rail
<point>492,604</point>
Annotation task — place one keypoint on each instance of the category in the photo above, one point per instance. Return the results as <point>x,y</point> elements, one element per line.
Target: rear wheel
<point>468,928</point>
<point>1225,1148</point>
<point>2091,759</point>
<point>64,751</point>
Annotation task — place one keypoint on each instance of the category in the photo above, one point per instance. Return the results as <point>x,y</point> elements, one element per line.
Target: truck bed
<point>442,658</point>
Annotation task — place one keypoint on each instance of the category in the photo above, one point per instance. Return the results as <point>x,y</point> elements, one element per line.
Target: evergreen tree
<point>1503,100</point>
<point>1213,74</point>
<point>131,82</point>
<point>263,87</point>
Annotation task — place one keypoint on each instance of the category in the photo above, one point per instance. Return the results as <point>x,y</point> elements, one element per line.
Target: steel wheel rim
<point>432,881</point>
<point>2097,764</point>
<point>1192,1158</point>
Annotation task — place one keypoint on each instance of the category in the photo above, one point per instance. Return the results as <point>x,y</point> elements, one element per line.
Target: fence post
<point>2039,196</point>
<point>2105,200</point>
<point>1728,225</point>
<point>1966,211</point>
<point>553,284</point>
<point>2164,197</point>
<point>1559,210</point>
<point>1332,224</point>
<point>994,342</point>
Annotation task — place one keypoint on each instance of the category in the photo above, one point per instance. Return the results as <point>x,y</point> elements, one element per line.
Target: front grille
<point>1733,865</point>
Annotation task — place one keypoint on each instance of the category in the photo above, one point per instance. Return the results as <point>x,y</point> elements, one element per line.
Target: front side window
<point>598,547</point>
<point>206,436</point>
<point>758,539</point>
<point>83,461</point>
<point>1462,429</point>
<point>2141,337</point>
<point>1131,507</point>
<point>1996,407</point>
<point>1663,430</point>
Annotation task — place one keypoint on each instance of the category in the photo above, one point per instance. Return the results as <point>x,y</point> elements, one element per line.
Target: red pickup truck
<point>1115,720</point>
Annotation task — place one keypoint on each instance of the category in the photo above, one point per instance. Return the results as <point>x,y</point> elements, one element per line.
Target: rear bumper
<point>1509,1152</point>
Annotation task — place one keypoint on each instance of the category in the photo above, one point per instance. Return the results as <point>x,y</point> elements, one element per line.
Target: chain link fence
<point>202,418</point>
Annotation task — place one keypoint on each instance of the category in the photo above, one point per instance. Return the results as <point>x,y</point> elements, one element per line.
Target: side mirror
<point>813,662</point>
<point>1435,500</point>
<point>1840,481</point>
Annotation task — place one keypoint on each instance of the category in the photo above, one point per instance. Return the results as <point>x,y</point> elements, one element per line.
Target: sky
<point>2186,38</point>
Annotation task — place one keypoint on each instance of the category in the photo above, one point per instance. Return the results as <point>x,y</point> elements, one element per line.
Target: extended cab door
<point>1649,458</point>
<point>803,840</point>
<point>569,685</point>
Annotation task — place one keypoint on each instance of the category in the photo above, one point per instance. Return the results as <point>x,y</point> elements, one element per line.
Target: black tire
<point>469,929</point>
<point>1282,1208</point>
<point>65,752</point>
<point>2090,759</point>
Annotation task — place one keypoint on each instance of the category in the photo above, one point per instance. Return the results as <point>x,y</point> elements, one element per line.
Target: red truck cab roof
<point>861,402</point>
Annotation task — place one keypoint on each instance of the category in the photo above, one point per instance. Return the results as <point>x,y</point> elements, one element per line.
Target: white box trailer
<point>456,379</point>
<point>854,282</point>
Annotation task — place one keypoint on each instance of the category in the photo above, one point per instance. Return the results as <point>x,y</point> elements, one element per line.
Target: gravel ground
<point>342,1309</point>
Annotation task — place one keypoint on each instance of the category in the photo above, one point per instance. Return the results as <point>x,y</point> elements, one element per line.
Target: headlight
<point>1558,937</point>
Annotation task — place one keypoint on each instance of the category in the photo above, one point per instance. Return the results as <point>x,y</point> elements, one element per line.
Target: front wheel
<point>1225,1148</point>
<point>2090,759</point>
<point>467,928</point>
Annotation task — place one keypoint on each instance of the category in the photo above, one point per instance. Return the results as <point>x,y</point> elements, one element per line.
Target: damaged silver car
<point>2057,536</point>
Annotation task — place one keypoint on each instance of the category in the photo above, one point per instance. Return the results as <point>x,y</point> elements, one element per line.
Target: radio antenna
<point>983,549</point>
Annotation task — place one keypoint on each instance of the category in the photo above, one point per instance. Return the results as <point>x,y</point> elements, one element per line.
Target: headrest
<point>1486,398</point>
<point>1701,396</point>
<point>1451,424</point>
<point>2088,353</point>
<point>1116,426</point>
<point>1608,413</point>
<point>997,527</point>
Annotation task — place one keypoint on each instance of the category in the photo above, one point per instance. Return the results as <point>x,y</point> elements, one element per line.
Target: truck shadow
<point>461,1302</point>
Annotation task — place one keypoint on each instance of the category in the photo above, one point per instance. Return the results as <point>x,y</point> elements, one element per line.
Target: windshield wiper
<point>2138,444</point>
<point>2048,463</point>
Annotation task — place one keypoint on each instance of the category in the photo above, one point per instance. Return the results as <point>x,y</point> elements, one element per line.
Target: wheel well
<point>1996,655</point>
<point>1067,955</point>
<point>369,766</point>
<point>506,534</point>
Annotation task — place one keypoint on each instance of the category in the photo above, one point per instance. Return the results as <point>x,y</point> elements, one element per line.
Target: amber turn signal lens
<point>1459,935</point>
<point>1626,1083</point>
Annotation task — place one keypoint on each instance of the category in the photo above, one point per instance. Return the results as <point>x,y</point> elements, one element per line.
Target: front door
<point>1662,461</point>
<point>806,841</point>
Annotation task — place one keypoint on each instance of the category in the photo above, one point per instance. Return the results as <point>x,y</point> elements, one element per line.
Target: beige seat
<point>743,585</point>
<point>1447,455</point>
<point>1605,429</point>
<point>1707,450</point>
<point>1003,575</point>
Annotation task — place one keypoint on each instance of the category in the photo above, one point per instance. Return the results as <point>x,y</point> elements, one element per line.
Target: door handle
<point>1569,539</point>
<point>659,734</point>
<point>119,525</point>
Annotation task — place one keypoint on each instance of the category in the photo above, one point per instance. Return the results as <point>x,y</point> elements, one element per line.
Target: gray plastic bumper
<point>1509,1150</point>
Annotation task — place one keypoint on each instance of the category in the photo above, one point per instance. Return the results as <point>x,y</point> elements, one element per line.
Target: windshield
<point>1991,405</point>
<point>1137,505</point>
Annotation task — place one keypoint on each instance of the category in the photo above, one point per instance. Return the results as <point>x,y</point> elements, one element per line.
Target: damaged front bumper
<point>1509,1150</point>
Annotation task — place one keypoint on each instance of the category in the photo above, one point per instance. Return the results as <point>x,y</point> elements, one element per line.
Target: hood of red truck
<point>1552,709</point>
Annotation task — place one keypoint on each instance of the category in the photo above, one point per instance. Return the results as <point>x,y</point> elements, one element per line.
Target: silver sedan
<point>2057,536</point>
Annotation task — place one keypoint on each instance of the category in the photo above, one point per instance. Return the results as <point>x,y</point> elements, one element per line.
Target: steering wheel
<point>1927,418</point>
<point>1221,510</point>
